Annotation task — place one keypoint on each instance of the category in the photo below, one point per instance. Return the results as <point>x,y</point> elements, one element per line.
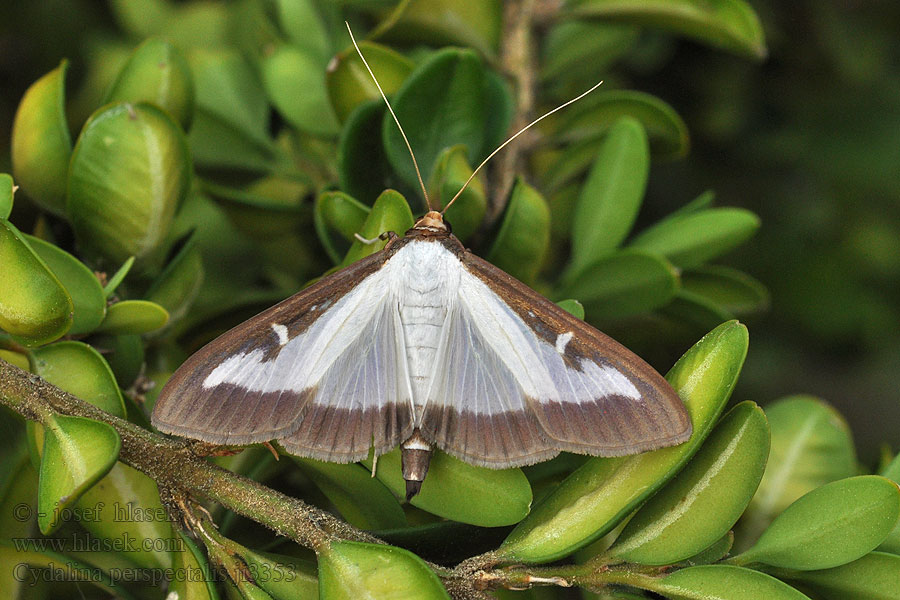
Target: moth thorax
<point>415,456</point>
<point>432,220</point>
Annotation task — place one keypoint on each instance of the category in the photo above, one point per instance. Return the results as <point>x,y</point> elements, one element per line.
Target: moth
<point>422,344</point>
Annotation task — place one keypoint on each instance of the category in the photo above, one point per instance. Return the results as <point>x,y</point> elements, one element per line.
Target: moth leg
<point>387,235</point>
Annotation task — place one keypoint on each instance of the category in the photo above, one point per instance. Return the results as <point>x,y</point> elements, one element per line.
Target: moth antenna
<point>514,136</point>
<point>396,120</point>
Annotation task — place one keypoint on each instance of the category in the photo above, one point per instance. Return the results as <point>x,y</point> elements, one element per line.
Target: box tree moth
<point>422,344</point>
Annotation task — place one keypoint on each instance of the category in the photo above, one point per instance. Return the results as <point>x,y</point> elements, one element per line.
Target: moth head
<point>433,221</point>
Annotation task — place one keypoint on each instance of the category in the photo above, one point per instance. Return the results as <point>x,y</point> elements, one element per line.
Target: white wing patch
<point>562,340</point>
<point>282,332</point>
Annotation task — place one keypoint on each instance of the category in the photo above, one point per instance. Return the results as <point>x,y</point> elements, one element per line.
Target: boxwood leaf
<point>362,500</point>
<point>133,317</point>
<point>294,81</point>
<point>191,560</point>
<point>712,553</point>
<point>830,526</point>
<point>389,213</point>
<point>811,446</point>
<point>706,498</point>
<point>41,144</point>
<point>450,173</point>
<point>892,542</point>
<point>441,104</point>
<point>728,288</point>
<point>597,496</point>
<point>692,239</point>
<point>77,452</point>
<point>118,277</point>
<point>521,244</point>
<point>88,299</point>
<point>284,577</point>
<point>611,197</point>
<point>341,214</point>
<point>724,582</point>
<point>7,191</point>
<point>728,24</point>
<point>80,370</point>
<point>178,285</point>
<point>573,307</point>
<point>130,171</point>
<point>34,306</point>
<point>304,26</point>
<point>349,83</point>
<point>462,492</point>
<point>446,22</point>
<point>157,72</point>
<point>359,571</point>
<point>623,283</point>
<point>875,576</point>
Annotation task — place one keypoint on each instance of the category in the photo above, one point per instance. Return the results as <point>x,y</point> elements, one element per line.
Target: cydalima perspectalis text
<point>422,344</point>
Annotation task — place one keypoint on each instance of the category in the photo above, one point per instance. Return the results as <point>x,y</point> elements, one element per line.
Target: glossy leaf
<point>7,191</point>
<point>439,22</point>
<point>41,144</point>
<point>728,288</point>
<point>362,500</point>
<point>581,50</point>
<point>706,498</point>
<point>694,238</point>
<point>462,492</point>
<point>349,83</point>
<point>441,104</point>
<point>77,452</point>
<point>15,359</point>
<point>830,526</point>
<point>197,583</point>
<point>304,26</point>
<point>295,83</point>
<point>712,553</point>
<point>88,299</point>
<point>125,355</point>
<point>573,307</point>
<point>875,576</point>
<point>597,496</point>
<point>180,282</point>
<point>892,542</point>
<point>80,370</point>
<point>284,577</point>
<point>341,214</point>
<point>118,277</point>
<point>811,446</point>
<point>363,166</point>
<point>131,317</point>
<point>157,72</point>
<point>358,571</point>
<point>130,171</point>
<point>521,244</point>
<point>389,213</point>
<point>611,196</point>
<point>724,582</point>
<point>34,305</point>
<point>627,282</point>
<point>450,174</point>
<point>729,24</point>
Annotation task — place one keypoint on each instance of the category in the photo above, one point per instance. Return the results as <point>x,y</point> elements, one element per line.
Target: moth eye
<point>449,227</point>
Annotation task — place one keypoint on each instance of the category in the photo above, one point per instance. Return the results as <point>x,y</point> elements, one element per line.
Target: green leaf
<point>340,213</point>
<point>690,240</point>
<point>875,576</point>
<point>441,104</point>
<point>41,144</point>
<point>348,80</point>
<point>7,192</point>
<point>295,83</point>
<point>706,498</point>
<point>694,311</point>
<point>82,285</point>
<point>284,577</point>
<point>446,22</point>
<point>130,171</point>
<point>358,571</point>
<point>389,213</point>
<point>363,167</point>
<point>156,72</point>
<point>627,282</point>
<point>728,24</point>
<point>77,452</point>
<point>462,492</point>
<point>362,500</point>
<point>892,542</point>
<point>728,288</point>
<point>125,355</point>
<point>811,446</point>
<point>602,492</point>
<point>304,26</point>
<point>573,307</point>
<point>521,244</point>
<point>198,583</point>
<point>830,526</point>
<point>712,553</point>
<point>80,370</point>
<point>133,317</point>
<point>580,51</point>
<point>450,174</point>
<point>34,305</point>
<point>611,196</point>
<point>723,582</point>
<point>180,282</point>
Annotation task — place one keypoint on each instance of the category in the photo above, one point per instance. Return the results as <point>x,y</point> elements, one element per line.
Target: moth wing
<point>279,374</point>
<point>520,379</point>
